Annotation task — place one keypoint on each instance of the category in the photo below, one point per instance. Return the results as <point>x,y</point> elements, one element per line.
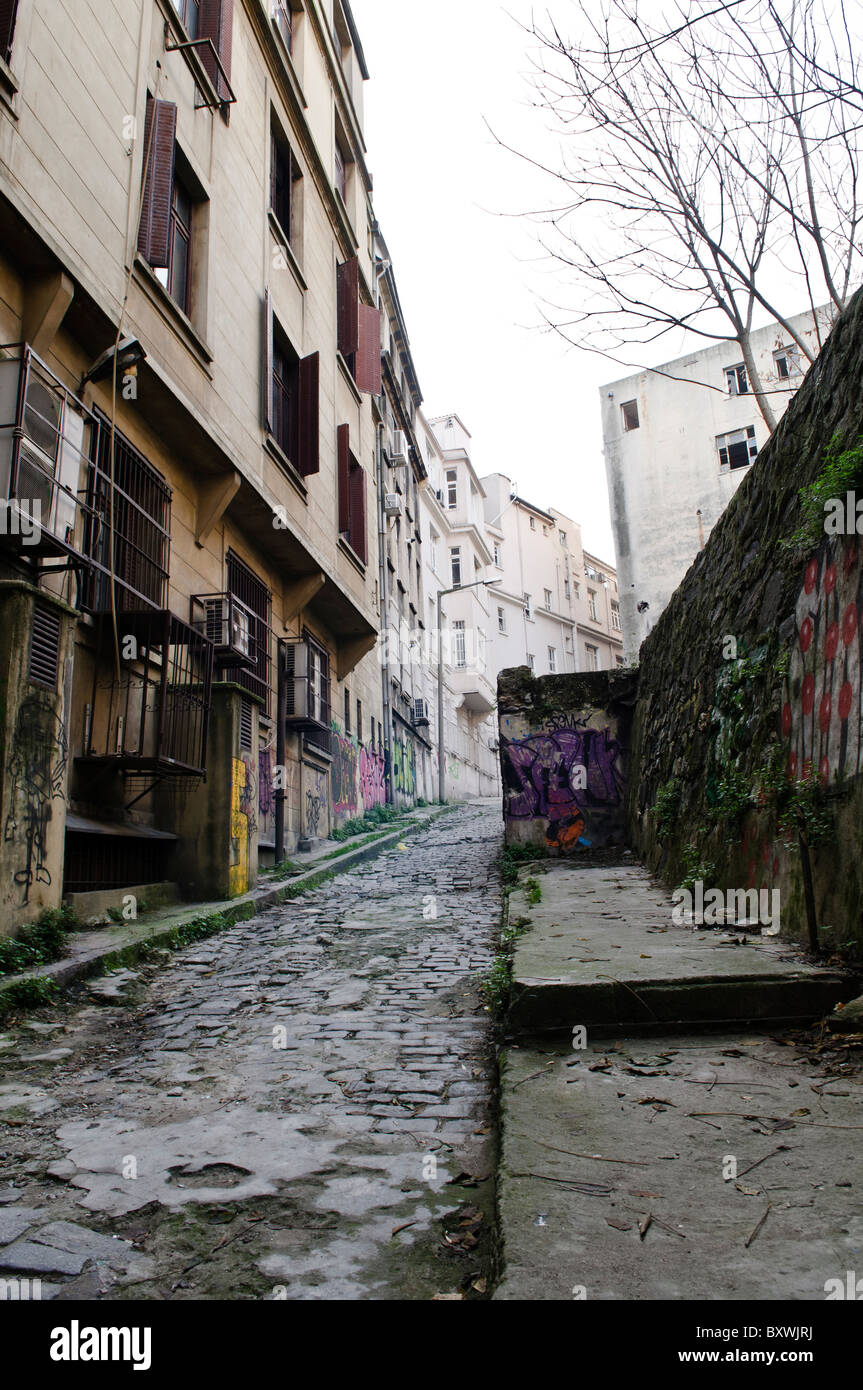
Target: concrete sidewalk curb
<point>125,946</point>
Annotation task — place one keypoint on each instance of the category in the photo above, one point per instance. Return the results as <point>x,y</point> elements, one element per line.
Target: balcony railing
<point>46,435</point>
<point>153,717</point>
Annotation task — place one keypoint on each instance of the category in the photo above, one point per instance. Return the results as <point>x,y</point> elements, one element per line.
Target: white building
<point>678,441</point>
<point>556,608</point>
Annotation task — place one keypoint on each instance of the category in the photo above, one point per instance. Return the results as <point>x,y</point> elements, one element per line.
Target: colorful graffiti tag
<point>242,825</point>
<point>37,769</point>
<point>565,776</point>
<point>373,782</point>
<point>822,716</point>
<point>344,775</point>
<point>404,767</point>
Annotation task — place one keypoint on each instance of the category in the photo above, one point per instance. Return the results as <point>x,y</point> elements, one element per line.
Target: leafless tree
<point>710,167</point>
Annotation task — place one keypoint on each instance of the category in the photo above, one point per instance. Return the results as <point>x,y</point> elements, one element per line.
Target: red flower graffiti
<point>811,576</point>
<point>849,624</point>
<point>830,579</point>
<point>846,699</point>
<point>825,712</point>
<point>808,694</point>
<point>831,642</point>
<point>824,772</point>
<point>806,631</point>
<point>786,721</point>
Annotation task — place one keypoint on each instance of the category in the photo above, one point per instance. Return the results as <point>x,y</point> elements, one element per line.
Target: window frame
<point>626,419</point>
<point>737,380</point>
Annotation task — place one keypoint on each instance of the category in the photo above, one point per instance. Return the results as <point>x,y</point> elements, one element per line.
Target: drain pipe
<point>281,712</point>
<point>385,609</point>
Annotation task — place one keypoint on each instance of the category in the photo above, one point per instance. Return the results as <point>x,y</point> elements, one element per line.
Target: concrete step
<point>600,950</point>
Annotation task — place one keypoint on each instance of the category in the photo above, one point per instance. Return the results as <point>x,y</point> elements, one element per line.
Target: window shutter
<point>344,460</point>
<point>309,387</point>
<point>44,646</point>
<point>8,10</point>
<point>349,307</point>
<point>368,374</point>
<point>267,364</point>
<point>154,232</point>
<point>358,511</point>
<point>217,23</point>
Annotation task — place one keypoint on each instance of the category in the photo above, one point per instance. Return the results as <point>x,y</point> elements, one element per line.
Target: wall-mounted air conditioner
<point>229,625</point>
<point>392,504</point>
<point>421,712</point>
<point>399,451</point>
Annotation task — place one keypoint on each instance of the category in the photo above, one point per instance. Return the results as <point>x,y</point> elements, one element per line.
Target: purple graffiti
<point>373,788</point>
<point>539,774</point>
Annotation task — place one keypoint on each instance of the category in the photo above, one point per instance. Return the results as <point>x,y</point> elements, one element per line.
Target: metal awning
<point>82,826</point>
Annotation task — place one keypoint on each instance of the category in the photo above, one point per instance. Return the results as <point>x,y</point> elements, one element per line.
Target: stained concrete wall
<point>564,757</point>
<point>724,747</point>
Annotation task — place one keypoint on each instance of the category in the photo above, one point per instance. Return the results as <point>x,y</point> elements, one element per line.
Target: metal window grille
<point>137,536</point>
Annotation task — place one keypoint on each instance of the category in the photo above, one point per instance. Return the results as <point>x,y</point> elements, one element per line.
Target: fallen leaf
<point>619,1223</point>
<point>748,1191</point>
<point>480,1285</point>
<point>644,1226</point>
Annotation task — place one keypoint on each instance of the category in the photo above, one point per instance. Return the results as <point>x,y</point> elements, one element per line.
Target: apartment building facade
<point>678,442</point>
<point>556,608</point>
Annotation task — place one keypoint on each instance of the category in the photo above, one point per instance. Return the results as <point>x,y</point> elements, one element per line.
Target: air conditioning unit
<point>421,712</point>
<point>229,625</point>
<point>399,451</point>
<point>392,504</point>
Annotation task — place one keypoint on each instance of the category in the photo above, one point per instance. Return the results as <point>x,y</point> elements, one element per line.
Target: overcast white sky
<point>468,275</point>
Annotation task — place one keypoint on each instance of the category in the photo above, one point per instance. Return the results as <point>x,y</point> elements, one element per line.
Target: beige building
<point>188,180</point>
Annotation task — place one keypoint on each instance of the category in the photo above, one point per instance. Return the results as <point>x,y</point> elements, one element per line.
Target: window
<point>497,555</point>
<point>737,449</point>
<point>455,562</point>
<point>347,710</point>
<point>531,661</point>
<point>452,489</point>
<point>563,539</point>
<point>737,380</point>
<point>591,603</point>
<point>135,532</point>
<point>341,179</point>
<point>549,599</point>
<point>359,330</point>
<point>460,646</point>
<point>592,658</point>
<point>552,659</point>
<point>501,620</point>
<point>291,398</point>
<point>352,497</point>
<point>284,177</point>
<point>246,586</point>
<point>533,523</point>
<point>434,540</point>
<point>619,661</point>
<point>629,414</point>
<point>8,10</point>
<point>319,684</point>
<point>188,10</point>
<point>359,721</point>
<point>284,20</point>
<point>615,616</point>
<point>576,589</point>
<point>527,610</point>
<point>787,362</point>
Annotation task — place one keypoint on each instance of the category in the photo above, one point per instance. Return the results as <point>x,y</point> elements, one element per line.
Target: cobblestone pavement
<point>282,1112</point>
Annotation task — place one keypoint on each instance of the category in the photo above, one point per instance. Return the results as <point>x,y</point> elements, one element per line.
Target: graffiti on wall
<point>568,777</point>
<point>243,824</point>
<point>315,808</point>
<point>37,769</point>
<point>344,775</point>
<point>404,767</point>
<point>373,779</point>
<point>266,792</point>
<point>822,716</point>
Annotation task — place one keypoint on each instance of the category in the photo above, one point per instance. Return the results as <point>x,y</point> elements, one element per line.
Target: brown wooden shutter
<point>267,364</point>
<point>344,463</point>
<point>309,412</point>
<point>368,373</point>
<point>154,233</point>
<point>8,10</point>
<point>216,22</point>
<point>358,511</point>
<point>349,306</point>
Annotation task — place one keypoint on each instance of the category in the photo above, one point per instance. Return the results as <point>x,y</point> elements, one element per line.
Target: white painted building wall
<point>667,483</point>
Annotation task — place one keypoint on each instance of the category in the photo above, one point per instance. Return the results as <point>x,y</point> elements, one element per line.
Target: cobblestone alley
<point>281,1112</point>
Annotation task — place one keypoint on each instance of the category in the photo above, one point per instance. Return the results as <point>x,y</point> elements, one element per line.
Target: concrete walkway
<point>676,1165</point>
